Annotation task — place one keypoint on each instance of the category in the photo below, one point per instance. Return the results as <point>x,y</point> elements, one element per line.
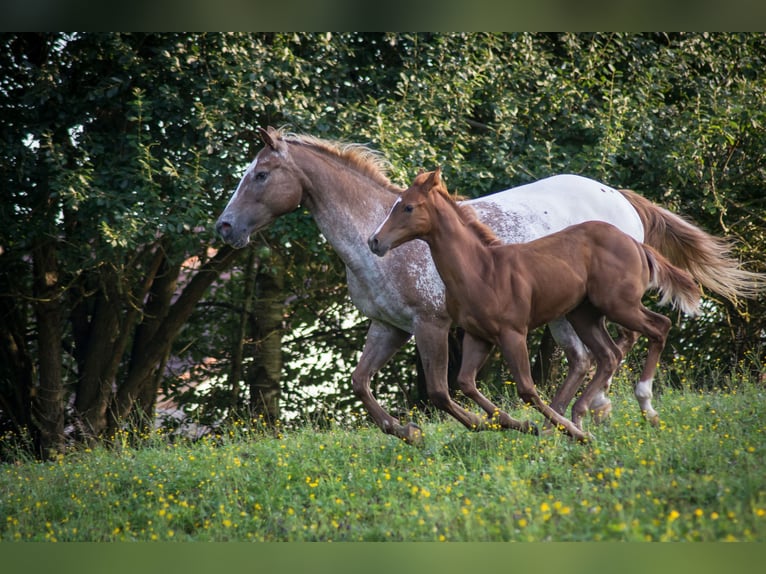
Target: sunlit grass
<point>698,476</point>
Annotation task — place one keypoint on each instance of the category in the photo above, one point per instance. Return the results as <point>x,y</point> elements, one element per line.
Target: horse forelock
<point>469,217</point>
<point>359,157</point>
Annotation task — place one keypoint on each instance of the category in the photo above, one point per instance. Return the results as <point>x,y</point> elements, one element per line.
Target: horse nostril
<point>373,243</point>
<point>223,228</point>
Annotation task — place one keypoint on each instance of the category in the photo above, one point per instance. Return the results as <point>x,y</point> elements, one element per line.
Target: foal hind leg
<point>601,406</point>
<point>475,352</point>
<point>655,327</point>
<point>590,326</point>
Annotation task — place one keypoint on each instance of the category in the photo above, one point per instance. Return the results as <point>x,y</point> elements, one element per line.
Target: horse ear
<point>434,179</point>
<point>267,136</point>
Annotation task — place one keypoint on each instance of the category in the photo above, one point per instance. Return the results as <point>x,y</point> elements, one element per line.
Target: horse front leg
<point>381,344</point>
<point>431,338</point>
<point>475,353</point>
<point>514,346</point>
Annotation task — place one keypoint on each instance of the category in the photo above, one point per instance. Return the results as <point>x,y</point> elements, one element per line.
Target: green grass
<point>699,476</point>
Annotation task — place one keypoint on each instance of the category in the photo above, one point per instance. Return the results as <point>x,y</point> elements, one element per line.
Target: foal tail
<point>675,285</point>
<point>705,256</point>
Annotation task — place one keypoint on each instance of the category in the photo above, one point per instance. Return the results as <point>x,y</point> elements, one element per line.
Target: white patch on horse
<point>549,205</point>
<point>643,389</point>
<point>390,211</point>
<point>250,169</point>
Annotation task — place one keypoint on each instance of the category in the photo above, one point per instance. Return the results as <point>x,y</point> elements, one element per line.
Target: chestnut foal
<point>587,272</point>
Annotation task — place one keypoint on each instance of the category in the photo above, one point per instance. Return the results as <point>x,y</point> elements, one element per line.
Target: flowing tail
<point>676,286</point>
<point>705,256</point>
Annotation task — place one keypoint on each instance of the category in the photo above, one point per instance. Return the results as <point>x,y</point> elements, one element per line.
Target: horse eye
<point>261,176</point>
<point>408,209</point>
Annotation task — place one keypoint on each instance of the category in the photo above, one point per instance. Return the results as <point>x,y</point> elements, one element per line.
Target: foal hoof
<point>412,434</point>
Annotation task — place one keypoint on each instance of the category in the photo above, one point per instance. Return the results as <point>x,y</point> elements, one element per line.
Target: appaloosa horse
<point>346,189</point>
<point>497,292</point>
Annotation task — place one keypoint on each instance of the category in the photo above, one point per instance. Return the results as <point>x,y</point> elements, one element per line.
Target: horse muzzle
<point>376,246</point>
<point>227,233</point>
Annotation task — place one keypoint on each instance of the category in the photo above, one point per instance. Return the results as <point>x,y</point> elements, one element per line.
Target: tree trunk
<point>144,364</point>
<point>237,352</point>
<point>16,368</point>
<point>95,345</point>
<point>48,399</point>
<point>264,375</point>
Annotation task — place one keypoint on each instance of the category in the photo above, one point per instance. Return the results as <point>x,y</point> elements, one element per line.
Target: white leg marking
<point>643,392</point>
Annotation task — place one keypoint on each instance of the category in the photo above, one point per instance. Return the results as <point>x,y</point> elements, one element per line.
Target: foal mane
<point>361,158</point>
<point>468,216</point>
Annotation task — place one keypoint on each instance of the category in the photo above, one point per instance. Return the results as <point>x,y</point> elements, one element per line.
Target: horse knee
<point>360,384</point>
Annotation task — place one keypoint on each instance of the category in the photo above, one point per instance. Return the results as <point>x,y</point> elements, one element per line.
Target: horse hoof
<point>412,434</point>
<point>654,421</point>
<point>601,414</point>
<point>585,438</point>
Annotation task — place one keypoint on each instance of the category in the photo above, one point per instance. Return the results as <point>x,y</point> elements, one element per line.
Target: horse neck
<point>345,203</point>
<point>455,247</point>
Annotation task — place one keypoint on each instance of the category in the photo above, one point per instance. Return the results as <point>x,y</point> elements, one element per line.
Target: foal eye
<point>408,209</point>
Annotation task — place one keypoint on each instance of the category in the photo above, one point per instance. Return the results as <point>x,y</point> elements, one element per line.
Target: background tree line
<point>120,150</point>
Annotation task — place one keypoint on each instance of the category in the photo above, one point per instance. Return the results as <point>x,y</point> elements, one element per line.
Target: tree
<point>119,151</point>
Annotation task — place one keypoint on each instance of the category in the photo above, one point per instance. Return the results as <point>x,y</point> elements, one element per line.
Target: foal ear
<point>267,136</point>
<point>434,179</point>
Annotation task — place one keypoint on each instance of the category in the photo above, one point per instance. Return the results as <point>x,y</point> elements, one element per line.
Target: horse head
<point>270,187</point>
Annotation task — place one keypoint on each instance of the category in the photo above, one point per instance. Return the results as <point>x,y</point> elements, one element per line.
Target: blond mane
<point>359,157</point>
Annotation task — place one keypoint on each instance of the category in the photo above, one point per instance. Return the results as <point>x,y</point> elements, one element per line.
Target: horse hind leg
<point>579,362</point>
<point>589,324</point>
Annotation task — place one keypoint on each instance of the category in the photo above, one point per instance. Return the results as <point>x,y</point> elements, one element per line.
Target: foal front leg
<point>432,341</point>
<point>514,347</point>
<point>475,352</point>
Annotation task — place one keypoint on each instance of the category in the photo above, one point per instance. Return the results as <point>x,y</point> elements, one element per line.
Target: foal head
<point>415,214</point>
<point>411,215</point>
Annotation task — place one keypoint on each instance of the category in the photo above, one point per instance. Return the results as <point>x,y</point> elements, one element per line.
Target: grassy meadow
<point>699,476</point>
